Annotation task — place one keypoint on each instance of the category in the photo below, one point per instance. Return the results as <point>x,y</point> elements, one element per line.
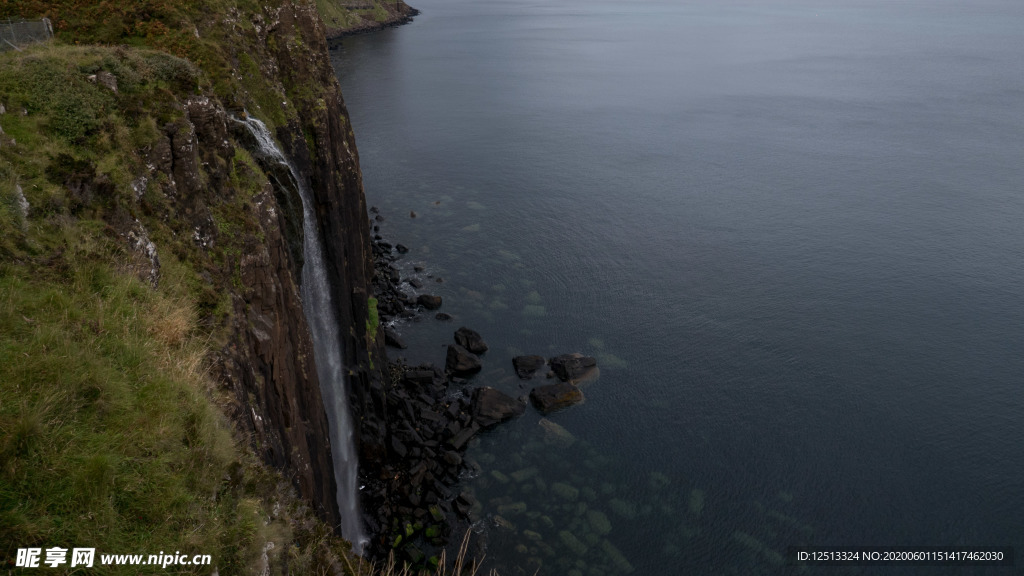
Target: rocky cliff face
<point>267,360</point>
<point>150,152</point>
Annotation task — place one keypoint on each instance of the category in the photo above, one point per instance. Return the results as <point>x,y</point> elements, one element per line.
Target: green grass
<point>109,438</point>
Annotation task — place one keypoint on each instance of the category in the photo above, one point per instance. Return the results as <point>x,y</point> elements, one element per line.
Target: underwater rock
<point>429,301</point>
<point>565,491</point>
<point>696,504</point>
<point>555,434</point>
<point>599,522</point>
<point>524,474</point>
<point>617,558</point>
<point>443,316</point>
<point>572,543</point>
<point>622,508</point>
<point>551,397</point>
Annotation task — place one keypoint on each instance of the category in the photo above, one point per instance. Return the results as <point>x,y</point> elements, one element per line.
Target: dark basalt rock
<point>573,367</point>
<point>393,339</point>
<point>443,316</point>
<point>470,340</point>
<point>401,248</point>
<point>429,301</point>
<point>527,366</point>
<point>490,407</point>
<point>461,361</point>
<point>551,397</point>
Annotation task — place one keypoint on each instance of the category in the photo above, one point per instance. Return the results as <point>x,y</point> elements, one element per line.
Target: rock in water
<point>461,361</point>
<point>573,367</point>
<point>429,301</point>
<point>526,366</point>
<point>555,434</point>
<point>492,406</point>
<point>552,397</point>
<point>470,340</point>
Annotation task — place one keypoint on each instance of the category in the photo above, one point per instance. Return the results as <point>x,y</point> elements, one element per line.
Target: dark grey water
<point>789,230</point>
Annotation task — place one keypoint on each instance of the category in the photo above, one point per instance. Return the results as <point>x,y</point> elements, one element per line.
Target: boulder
<point>461,361</point>
<point>443,316</point>
<point>573,367</point>
<point>492,406</point>
<point>429,301</point>
<point>470,340</point>
<point>526,366</point>
<point>552,397</point>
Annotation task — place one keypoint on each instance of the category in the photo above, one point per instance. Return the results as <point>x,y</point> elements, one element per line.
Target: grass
<point>109,437</point>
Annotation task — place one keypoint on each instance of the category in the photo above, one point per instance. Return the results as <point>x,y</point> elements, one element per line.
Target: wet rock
<point>391,338</point>
<point>443,316</point>
<point>470,340</point>
<point>461,361</point>
<point>551,397</point>
<point>401,248</point>
<point>527,366</point>
<point>429,301</point>
<point>573,367</point>
<point>492,406</point>
<point>460,439</point>
<point>415,283</point>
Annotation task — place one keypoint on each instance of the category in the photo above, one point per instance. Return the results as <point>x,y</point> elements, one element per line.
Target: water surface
<point>789,230</point>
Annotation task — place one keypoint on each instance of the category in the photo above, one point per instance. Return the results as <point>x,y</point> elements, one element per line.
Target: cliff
<point>124,174</point>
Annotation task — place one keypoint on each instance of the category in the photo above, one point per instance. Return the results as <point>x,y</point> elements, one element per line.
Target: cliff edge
<point>170,253</point>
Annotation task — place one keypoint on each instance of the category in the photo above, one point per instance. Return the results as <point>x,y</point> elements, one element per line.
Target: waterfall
<point>319,309</point>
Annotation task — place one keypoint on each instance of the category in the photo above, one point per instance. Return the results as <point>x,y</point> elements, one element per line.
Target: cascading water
<point>319,310</point>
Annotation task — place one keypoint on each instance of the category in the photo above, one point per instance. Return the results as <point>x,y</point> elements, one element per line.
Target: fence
<point>17,33</point>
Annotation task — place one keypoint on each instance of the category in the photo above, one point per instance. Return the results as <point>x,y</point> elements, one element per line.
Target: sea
<point>791,232</point>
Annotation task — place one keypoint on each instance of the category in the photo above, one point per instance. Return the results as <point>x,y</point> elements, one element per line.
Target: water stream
<point>323,324</point>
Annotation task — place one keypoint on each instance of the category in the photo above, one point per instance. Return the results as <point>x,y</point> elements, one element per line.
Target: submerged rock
<point>429,301</point>
<point>443,316</point>
<point>599,522</point>
<point>572,543</point>
<point>470,340</point>
<point>461,361</point>
<point>573,367</point>
<point>551,397</point>
<point>527,366</point>
<point>556,434</point>
<point>492,406</point>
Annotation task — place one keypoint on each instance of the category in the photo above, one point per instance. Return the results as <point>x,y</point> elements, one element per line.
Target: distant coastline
<point>343,19</point>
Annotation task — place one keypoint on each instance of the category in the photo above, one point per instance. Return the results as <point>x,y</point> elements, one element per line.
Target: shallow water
<point>789,231</point>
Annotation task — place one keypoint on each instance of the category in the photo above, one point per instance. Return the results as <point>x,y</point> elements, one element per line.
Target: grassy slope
<point>110,436</point>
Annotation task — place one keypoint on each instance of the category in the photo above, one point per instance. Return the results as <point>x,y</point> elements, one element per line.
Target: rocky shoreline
<point>413,504</point>
<point>397,15</point>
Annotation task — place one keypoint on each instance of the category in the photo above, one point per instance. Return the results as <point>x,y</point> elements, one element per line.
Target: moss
<point>373,319</point>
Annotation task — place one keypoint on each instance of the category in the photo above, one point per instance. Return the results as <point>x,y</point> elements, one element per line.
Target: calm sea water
<point>791,232</point>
